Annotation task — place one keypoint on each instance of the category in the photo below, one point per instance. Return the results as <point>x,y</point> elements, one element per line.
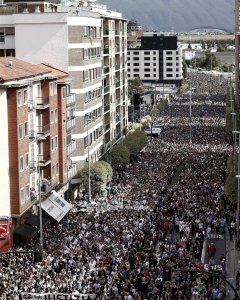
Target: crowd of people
<point>121,254</point>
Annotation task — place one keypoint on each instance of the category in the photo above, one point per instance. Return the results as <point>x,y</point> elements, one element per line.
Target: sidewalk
<point>232,265</point>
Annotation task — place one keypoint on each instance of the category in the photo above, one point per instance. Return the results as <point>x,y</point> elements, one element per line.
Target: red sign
<point>3,231</point>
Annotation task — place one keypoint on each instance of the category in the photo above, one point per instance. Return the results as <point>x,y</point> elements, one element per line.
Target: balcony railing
<point>117,67</point>
<point>106,32</point>
<point>44,130</point>
<point>106,51</point>
<point>117,32</point>
<point>46,185</point>
<point>117,49</point>
<point>72,171</point>
<point>70,100</point>
<point>117,84</point>
<point>106,108</point>
<point>117,119</point>
<point>71,123</point>
<point>71,147</point>
<point>44,160</point>
<point>107,146</point>
<point>42,103</point>
<point>107,127</point>
<point>106,89</point>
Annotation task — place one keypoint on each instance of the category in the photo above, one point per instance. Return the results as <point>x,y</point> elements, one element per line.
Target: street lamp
<point>234,136</point>
<point>39,140</point>
<point>190,110</point>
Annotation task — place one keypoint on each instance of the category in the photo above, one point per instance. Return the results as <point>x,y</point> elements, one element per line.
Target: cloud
<point>179,15</point>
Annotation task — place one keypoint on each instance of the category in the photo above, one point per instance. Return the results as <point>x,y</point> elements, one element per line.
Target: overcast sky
<point>177,15</point>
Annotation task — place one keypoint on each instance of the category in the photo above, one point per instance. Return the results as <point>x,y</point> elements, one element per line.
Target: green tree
<point>153,112</point>
<point>141,138</point>
<point>230,187</point>
<point>135,87</point>
<point>210,61</point>
<point>132,144</point>
<point>120,155</point>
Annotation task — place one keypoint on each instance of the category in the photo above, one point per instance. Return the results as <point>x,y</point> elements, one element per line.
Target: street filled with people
<point>172,198</point>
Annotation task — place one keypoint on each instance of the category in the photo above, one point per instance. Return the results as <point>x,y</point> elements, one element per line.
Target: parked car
<point>155,130</point>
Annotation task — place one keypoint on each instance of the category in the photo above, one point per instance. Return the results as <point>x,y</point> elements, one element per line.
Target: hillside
<point>177,15</point>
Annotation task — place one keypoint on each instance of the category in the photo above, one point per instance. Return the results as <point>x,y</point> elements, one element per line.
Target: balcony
<point>117,119</point>
<point>71,123</point>
<point>44,160</point>
<point>46,185</point>
<point>107,127</point>
<point>71,147</point>
<point>117,84</point>
<point>117,50</point>
<point>106,108</point>
<point>106,32</point>
<point>42,103</point>
<point>117,67</point>
<point>106,51</point>
<point>70,100</point>
<point>43,130</point>
<point>106,89</point>
<point>72,171</point>
<point>117,32</point>
<point>107,146</point>
<point>105,69</point>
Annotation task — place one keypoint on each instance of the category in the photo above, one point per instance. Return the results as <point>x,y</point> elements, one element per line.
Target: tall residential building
<point>134,32</point>
<point>158,59</point>
<point>88,41</point>
<point>237,58</point>
<point>33,108</point>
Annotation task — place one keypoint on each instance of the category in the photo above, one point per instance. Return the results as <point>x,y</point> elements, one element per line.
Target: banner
<point>3,231</point>
<point>56,296</point>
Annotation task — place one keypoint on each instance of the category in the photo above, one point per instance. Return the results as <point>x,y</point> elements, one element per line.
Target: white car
<point>155,130</point>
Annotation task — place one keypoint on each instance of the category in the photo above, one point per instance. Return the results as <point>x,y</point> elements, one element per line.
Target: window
<point>26,129</point>
<point>2,38</point>
<point>57,169</point>
<point>135,75</point>
<point>52,144</point>
<point>85,75</point>
<point>154,58</point>
<point>53,88</point>
<point>169,58</point>
<point>22,197</point>
<point>27,192</point>
<point>56,142</point>
<point>169,69</point>
<point>52,116</point>
<point>147,75</point>
<point>146,70</point>
<point>21,163</point>
<point>146,58</point>
<point>136,58</point>
<point>25,97</point>
<point>136,52</point>
<point>169,52</point>
<point>136,64</point>
<point>135,70</point>
<point>56,115</point>
<point>169,64</point>
<point>20,131</point>
<point>9,31</point>
<point>19,98</point>
<point>169,75</point>
<point>154,64</point>
<point>26,161</point>
<point>147,52</point>
<point>146,64</point>
<point>53,171</point>
<point>65,168</point>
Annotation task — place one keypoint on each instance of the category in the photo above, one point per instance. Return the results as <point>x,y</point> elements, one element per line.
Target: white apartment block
<point>90,43</point>
<point>157,60</point>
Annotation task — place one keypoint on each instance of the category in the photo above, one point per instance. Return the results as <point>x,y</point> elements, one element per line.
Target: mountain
<point>176,15</point>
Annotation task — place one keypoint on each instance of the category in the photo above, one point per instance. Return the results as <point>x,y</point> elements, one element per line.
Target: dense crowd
<point>120,254</point>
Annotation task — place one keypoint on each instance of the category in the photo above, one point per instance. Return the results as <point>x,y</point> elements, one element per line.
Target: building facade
<point>34,136</point>
<point>90,43</point>
<point>157,60</point>
<point>237,52</point>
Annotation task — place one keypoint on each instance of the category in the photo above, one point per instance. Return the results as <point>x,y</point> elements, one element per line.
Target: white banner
<point>56,296</point>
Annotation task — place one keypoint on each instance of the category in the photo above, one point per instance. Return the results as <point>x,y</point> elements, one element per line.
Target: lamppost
<point>190,109</point>
<point>234,138</point>
<point>39,140</point>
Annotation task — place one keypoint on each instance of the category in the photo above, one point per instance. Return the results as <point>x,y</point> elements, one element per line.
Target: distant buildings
<point>158,59</point>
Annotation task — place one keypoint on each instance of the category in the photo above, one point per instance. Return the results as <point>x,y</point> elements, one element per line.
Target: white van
<point>156,130</point>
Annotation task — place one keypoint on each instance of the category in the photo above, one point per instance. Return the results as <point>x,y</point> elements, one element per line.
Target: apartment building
<point>237,58</point>
<point>33,101</point>
<point>90,43</point>
<point>158,59</point>
<point>134,32</point>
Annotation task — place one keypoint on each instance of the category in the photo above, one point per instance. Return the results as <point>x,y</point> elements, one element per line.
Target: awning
<point>26,231</point>
<point>35,221</point>
<point>56,206</point>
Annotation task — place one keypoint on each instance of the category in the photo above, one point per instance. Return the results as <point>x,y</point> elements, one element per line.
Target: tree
<point>120,155</point>
<point>132,145</point>
<point>185,69</point>
<point>141,137</point>
<point>135,87</point>
<point>210,61</point>
<point>153,112</point>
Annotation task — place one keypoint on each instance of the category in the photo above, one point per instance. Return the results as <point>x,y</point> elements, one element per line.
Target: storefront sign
<point>3,231</point>
<point>56,296</point>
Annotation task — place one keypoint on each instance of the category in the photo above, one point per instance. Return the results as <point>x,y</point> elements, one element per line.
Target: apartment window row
<point>24,194</point>
<point>54,116</point>
<point>55,170</point>
<point>93,94</point>
<point>91,32</point>
<point>92,74</point>
<point>54,143</point>
<point>23,162</point>
<point>22,130</point>
<point>22,97</point>
<point>93,136</point>
<point>6,31</point>
<point>91,53</point>
<point>94,114</point>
